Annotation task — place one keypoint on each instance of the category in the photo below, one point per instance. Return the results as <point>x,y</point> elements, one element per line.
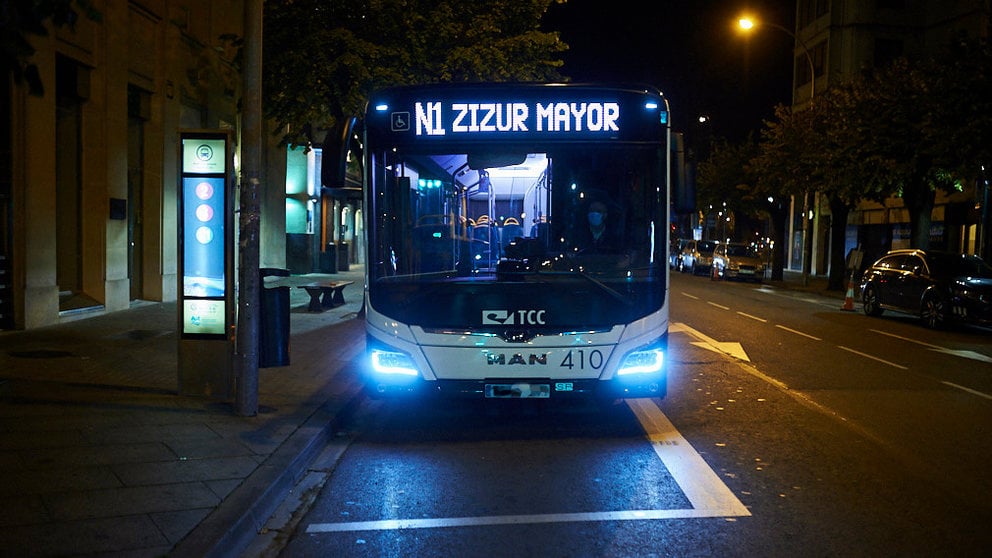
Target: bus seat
<point>509,233</point>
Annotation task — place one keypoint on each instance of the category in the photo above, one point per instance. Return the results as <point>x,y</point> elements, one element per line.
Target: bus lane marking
<point>700,484</point>
<point>707,493</point>
<point>704,489</point>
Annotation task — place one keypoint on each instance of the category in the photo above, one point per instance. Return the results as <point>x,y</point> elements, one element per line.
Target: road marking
<point>704,489</point>
<point>875,358</point>
<point>762,320</point>
<point>928,345</point>
<point>965,354</point>
<point>483,521</point>
<point>824,301</point>
<point>720,306</point>
<point>693,297</point>
<point>969,390</point>
<point>728,348</point>
<point>953,352</point>
<point>790,330</point>
<point>709,496</point>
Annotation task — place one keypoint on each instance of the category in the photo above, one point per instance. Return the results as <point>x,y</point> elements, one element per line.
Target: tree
<point>323,59</point>
<point>784,166</point>
<point>846,171</point>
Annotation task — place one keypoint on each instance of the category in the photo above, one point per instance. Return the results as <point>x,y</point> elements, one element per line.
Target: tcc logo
<point>518,317</point>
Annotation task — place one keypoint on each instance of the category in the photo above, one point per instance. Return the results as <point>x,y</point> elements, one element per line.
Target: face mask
<point>595,219</point>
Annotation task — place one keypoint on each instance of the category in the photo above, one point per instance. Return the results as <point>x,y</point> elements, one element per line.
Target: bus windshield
<point>578,228</point>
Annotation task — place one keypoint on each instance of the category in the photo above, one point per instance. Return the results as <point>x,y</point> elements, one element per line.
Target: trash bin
<point>273,328</point>
<point>343,256</point>
<point>329,259</point>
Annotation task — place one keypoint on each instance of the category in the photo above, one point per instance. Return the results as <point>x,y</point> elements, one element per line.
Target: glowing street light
<point>747,24</point>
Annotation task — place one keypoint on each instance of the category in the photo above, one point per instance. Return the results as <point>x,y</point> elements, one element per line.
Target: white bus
<point>518,240</point>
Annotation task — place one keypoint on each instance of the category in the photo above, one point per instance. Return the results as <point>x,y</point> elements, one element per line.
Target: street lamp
<point>747,24</point>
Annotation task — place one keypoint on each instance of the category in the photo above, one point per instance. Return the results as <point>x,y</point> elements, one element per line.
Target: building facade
<point>843,37</point>
<point>89,172</point>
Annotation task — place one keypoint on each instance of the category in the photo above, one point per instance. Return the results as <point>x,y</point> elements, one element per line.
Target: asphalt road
<point>791,428</point>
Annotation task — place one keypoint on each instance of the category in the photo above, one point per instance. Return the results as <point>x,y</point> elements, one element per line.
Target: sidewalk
<point>100,456</point>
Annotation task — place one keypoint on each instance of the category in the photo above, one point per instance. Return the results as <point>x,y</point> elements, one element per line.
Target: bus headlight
<point>392,362</point>
<point>646,361</point>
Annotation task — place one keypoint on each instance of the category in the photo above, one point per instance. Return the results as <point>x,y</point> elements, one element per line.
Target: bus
<point>517,240</point>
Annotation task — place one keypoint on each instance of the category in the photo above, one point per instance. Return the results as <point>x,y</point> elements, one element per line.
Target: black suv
<point>937,286</point>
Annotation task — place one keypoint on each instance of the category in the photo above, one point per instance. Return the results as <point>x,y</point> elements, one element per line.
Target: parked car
<point>936,286</point>
<point>697,257</point>
<point>735,260</point>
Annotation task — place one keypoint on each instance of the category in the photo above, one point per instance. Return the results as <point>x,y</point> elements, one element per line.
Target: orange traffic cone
<point>849,297</point>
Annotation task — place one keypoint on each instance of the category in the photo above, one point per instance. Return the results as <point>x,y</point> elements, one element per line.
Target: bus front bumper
<point>641,385</point>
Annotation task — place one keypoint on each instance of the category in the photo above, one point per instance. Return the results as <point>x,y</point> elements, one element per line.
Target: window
<point>810,10</point>
<point>818,54</point>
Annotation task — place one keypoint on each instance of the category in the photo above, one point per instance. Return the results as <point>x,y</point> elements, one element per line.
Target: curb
<point>231,528</point>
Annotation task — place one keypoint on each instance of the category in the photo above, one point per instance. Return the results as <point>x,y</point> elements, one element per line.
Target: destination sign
<point>437,118</point>
<point>517,113</point>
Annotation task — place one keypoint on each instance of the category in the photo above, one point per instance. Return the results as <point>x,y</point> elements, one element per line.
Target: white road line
<point>693,297</point>
<point>875,358</point>
<point>969,390</point>
<point>482,521</point>
<point>701,485</point>
<point>797,332</point>
<point>720,306</point>
<point>928,345</point>
<point>793,296</point>
<point>708,495</point>
<point>953,352</point>
<point>762,320</point>
<point>681,327</point>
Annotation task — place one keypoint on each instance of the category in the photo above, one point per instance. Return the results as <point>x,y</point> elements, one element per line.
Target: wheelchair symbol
<point>401,121</point>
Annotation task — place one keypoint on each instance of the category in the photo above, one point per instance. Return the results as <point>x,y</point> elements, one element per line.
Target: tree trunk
<point>779,216</point>
<point>919,199</point>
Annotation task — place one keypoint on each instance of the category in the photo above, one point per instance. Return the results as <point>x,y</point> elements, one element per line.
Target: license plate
<point>519,390</point>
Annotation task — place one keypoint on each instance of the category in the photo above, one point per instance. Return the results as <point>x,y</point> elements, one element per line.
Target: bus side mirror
<point>338,145</point>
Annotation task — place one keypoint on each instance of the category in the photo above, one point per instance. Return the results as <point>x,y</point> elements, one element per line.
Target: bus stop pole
<point>246,363</point>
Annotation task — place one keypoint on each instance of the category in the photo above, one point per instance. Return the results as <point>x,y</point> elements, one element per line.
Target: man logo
<point>501,317</point>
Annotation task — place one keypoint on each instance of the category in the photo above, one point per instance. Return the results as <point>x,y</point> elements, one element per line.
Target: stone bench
<point>325,295</point>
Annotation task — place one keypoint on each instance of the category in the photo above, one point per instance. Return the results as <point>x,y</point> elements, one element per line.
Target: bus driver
<point>599,235</point>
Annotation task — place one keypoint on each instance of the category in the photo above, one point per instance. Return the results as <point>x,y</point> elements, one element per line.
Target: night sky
<point>690,49</point>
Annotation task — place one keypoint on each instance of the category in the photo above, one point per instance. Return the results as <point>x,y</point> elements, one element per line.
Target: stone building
<point>88,177</point>
<point>842,37</point>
